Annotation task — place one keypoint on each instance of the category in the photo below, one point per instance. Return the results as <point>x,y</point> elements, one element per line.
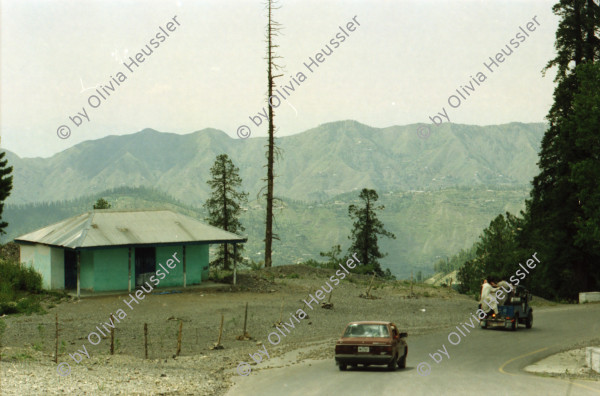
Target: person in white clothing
<point>486,302</point>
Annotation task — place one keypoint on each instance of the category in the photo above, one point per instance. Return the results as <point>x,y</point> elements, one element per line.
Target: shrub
<point>25,279</point>
<point>2,330</point>
<point>221,276</point>
<point>313,263</point>
<point>9,307</point>
<point>30,280</point>
<point>255,266</point>
<point>364,269</point>
<point>9,273</point>
<point>9,251</point>
<point>15,282</point>
<point>387,275</point>
<point>26,305</point>
<point>334,257</point>
<point>6,292</point>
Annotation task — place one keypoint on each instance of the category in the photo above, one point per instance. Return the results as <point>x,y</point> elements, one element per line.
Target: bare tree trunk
<point>271,150</point>
<point>272,31</point>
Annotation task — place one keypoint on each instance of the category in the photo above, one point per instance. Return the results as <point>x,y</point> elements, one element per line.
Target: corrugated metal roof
<point>117,228</point>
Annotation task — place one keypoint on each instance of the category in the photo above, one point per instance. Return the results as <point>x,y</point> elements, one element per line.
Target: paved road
<point>483,362</point>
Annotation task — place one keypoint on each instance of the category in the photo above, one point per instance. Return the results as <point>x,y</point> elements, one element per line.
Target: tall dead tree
<point>273,28</point>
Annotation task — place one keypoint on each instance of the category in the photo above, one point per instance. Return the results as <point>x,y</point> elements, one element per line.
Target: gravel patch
<point>28,366</point>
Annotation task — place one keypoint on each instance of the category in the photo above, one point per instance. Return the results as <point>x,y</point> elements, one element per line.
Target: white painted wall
<point>38,257</point>
<point>57,268</point>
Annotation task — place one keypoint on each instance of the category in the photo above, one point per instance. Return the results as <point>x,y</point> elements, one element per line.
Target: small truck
<point>514,311</point>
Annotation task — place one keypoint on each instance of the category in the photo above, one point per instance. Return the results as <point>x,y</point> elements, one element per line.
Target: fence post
<point>112,337</point>
<point>146,340</point>
<point>56,339</point>
<point>179,338</point>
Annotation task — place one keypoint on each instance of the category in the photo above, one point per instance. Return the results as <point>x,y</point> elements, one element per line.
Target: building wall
<point>196,263</point>
<point>86,270</point>
<point>57,268</point>
<point>38,257</point>
<point>111,269</point>
<point>175,275</point>
<point>196,260</point>
<point>107,269</point>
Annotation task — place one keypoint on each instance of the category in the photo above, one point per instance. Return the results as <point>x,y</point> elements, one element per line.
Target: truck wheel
<point>484,324</point>
<point>343,366</point>
<point>402,361</point>
<point>515,324</point>
<point>529,321</point>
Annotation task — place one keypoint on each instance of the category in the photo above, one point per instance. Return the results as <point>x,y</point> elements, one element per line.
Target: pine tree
<point>585,173</point>
<point>224,206</point>
<point>470,277</point>
<point>364,235</point>
<point>498,250</point>
<point>554,213</point>
<point>102,204</point>
<point>5,187</point>
<point>334,256</point>
<point>497,254</point>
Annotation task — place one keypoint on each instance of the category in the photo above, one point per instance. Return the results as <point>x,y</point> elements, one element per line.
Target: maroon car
<point>366,343</point>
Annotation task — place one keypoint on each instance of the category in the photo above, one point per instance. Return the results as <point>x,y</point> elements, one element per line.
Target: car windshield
<point>366,330</point>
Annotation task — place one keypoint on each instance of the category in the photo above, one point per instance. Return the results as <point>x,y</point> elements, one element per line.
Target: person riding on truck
<point>487,288</point>
<point>490,299</point>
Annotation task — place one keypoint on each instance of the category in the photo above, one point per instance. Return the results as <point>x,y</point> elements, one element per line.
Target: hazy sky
<point>399,66</point>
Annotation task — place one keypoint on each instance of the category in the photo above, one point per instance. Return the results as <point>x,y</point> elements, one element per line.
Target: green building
<point>112,250</point>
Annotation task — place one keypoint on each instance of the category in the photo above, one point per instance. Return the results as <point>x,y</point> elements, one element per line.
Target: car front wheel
<point>343,366</point>
<point>392,365</point>
<point>402,361</point>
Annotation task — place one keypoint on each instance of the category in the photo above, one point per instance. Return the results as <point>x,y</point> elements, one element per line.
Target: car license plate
<point>363,349</point>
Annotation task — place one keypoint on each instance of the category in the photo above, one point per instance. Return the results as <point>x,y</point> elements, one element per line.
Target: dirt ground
<point>28,366</point>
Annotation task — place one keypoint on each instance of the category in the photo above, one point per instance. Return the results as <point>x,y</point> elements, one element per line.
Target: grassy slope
<point>428,225</point>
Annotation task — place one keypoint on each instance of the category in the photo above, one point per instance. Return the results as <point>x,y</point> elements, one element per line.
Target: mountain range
<point>439,192</point>
<point>317,164</point>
